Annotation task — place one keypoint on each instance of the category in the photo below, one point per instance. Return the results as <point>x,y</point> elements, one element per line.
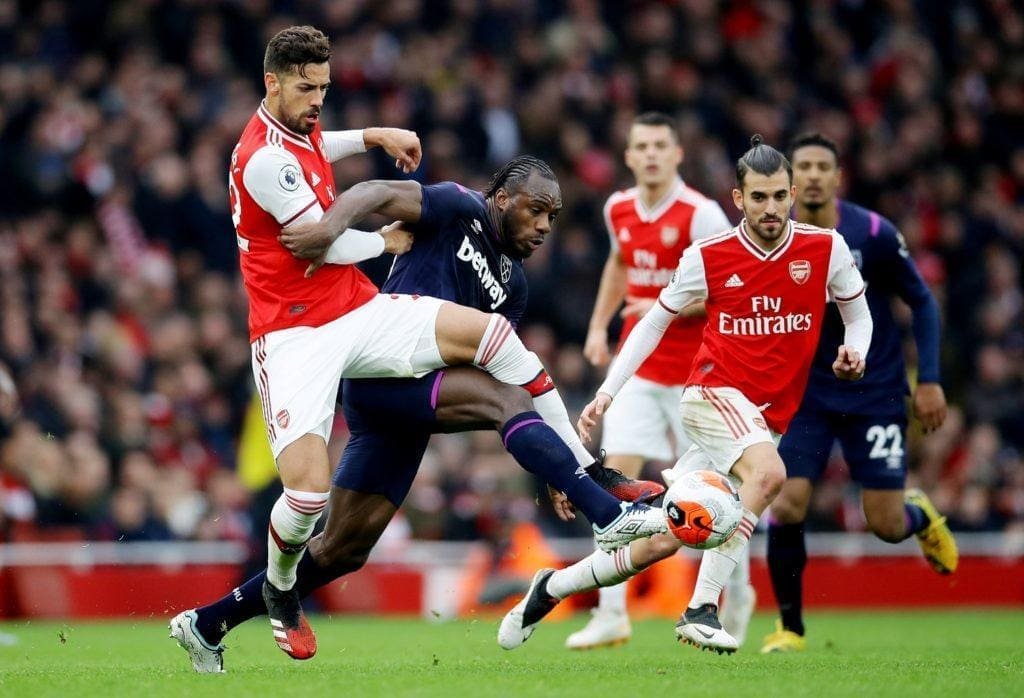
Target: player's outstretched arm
<point>399,200</point>
<point>402,145</point>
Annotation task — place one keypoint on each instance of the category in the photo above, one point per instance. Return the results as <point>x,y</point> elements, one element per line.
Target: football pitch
<point>850,654</point>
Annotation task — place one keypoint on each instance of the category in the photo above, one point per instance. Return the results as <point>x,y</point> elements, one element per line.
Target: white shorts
<point>721,423</point>
<point>641,419</point>
<point>298,370</point>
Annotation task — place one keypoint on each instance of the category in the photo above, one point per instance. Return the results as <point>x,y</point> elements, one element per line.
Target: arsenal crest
<point>283,418</point>
<point>669,235</point>
<point>506,269</point>
<point>800,270</point>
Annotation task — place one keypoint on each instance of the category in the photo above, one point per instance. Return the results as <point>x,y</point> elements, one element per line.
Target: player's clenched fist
<point>591,413</point>
<point>848,366</point>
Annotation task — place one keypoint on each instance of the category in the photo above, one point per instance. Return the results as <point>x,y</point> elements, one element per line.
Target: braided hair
<point>762,159</point>
<point>515,172</point>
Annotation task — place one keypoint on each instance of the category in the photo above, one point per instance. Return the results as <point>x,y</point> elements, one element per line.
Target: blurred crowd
<point>125,387</point>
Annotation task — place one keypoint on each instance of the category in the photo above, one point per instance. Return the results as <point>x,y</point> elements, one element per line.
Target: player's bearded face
<point>765,202</point>
<point>296,98</point>
<point>815,175</point>
<point>526,216</point>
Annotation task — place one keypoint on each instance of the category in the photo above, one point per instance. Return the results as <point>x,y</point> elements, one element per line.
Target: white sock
<point>502,354</point>
<point>740,577</point>
<point>613,598</point>
<point>599,569</point>
<point>291,524</point>
<point>718,563</point>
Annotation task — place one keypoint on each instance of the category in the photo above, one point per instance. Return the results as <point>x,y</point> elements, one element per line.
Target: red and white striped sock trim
<point>307,503</point>
<point>623,563</point>
<point>498,330</point>
<point>747,524</point>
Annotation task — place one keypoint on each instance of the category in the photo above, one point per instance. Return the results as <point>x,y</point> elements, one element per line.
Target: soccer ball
<point>703,509</point>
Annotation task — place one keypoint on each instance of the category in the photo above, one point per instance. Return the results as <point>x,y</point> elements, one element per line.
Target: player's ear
<point>737,198</point>
<point>272,84</point>
<point>501,199</point>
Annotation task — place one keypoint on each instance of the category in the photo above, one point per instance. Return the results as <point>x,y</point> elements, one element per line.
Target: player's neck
<point>826,216</point>
<point>495,220</point>
<point>652,194</point>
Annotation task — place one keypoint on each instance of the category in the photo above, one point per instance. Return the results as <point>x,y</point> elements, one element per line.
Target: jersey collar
<point>756,250</point>
<point>280,130</point>
<point>656,211</point>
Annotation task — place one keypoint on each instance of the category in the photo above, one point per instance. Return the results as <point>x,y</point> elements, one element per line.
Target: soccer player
<point>469,248</point>
<point>764,284</point>
<point>310,330</point>
<point>869,418</point>
<point>649,226</point>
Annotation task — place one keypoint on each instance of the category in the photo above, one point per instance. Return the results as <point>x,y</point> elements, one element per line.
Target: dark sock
<point>917,520</point>
<point>539,450</point>
<point>787,557</point>
<point>245,601</point>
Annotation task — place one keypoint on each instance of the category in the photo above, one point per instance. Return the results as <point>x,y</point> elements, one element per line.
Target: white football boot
<point>518,624</point>
<point>206,658</point>
<point>700,627</point>
<point>634,521</point>
<point>604,629</point>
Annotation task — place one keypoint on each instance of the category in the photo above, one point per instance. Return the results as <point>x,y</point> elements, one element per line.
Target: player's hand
<point>397,240</point>
<point>930,406</point>
<point>306,240</point>
<point>561,504</point>
<point>315,264</point>
<point>848,366</point>
<point>402,145</point>
<point>595,349</point>
<point>591,413</point>
<point>637,307</point>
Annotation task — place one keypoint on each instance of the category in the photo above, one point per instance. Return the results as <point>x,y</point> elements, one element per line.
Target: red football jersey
<point>650,242</point>
<point>276,177</point>
<point>764,311</point>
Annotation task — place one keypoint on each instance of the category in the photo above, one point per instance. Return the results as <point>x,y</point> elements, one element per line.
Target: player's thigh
<point>391,403</point>
<point>884,513</point>
<point>469,398</point>
<point>297,372</point>
<point>459,330</point>
<point>382,462</point>
<point>874,449</point>
<point>638,425</point>
<point>396,337</point>
<point>807,443</point>
<point>724,425</point>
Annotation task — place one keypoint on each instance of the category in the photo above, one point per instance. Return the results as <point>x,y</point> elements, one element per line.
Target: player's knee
<point>344,558</point>
<point>513,400</point>
<point>769,477</point>
<point>891,529</point>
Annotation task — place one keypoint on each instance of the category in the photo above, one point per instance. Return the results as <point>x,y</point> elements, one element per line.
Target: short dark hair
<point>513,175</point>
<point>762,159</point>
<point>813,138</point>
<point>657,118</point>
<point>294,48</point>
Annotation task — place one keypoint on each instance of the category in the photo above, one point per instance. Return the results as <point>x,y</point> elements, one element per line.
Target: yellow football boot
<point>783,640</point>
<point>937,542</point>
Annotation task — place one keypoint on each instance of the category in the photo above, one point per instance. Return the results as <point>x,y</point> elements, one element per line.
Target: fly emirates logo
<point>468,253</point>
<point>767,319</point>
<point>645,270</point>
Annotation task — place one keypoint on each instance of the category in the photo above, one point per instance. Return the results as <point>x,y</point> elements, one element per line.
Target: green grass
<point>850,654</point>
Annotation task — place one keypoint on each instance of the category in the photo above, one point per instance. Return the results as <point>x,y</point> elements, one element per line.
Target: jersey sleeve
<point>688,284</point>
<point>910,287</point>
<point>844,280</point>
<point>708,220</point>
<point>275,181</point>
<point>613,239</point>
<point>443,203</point>
<point>341,144</point>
